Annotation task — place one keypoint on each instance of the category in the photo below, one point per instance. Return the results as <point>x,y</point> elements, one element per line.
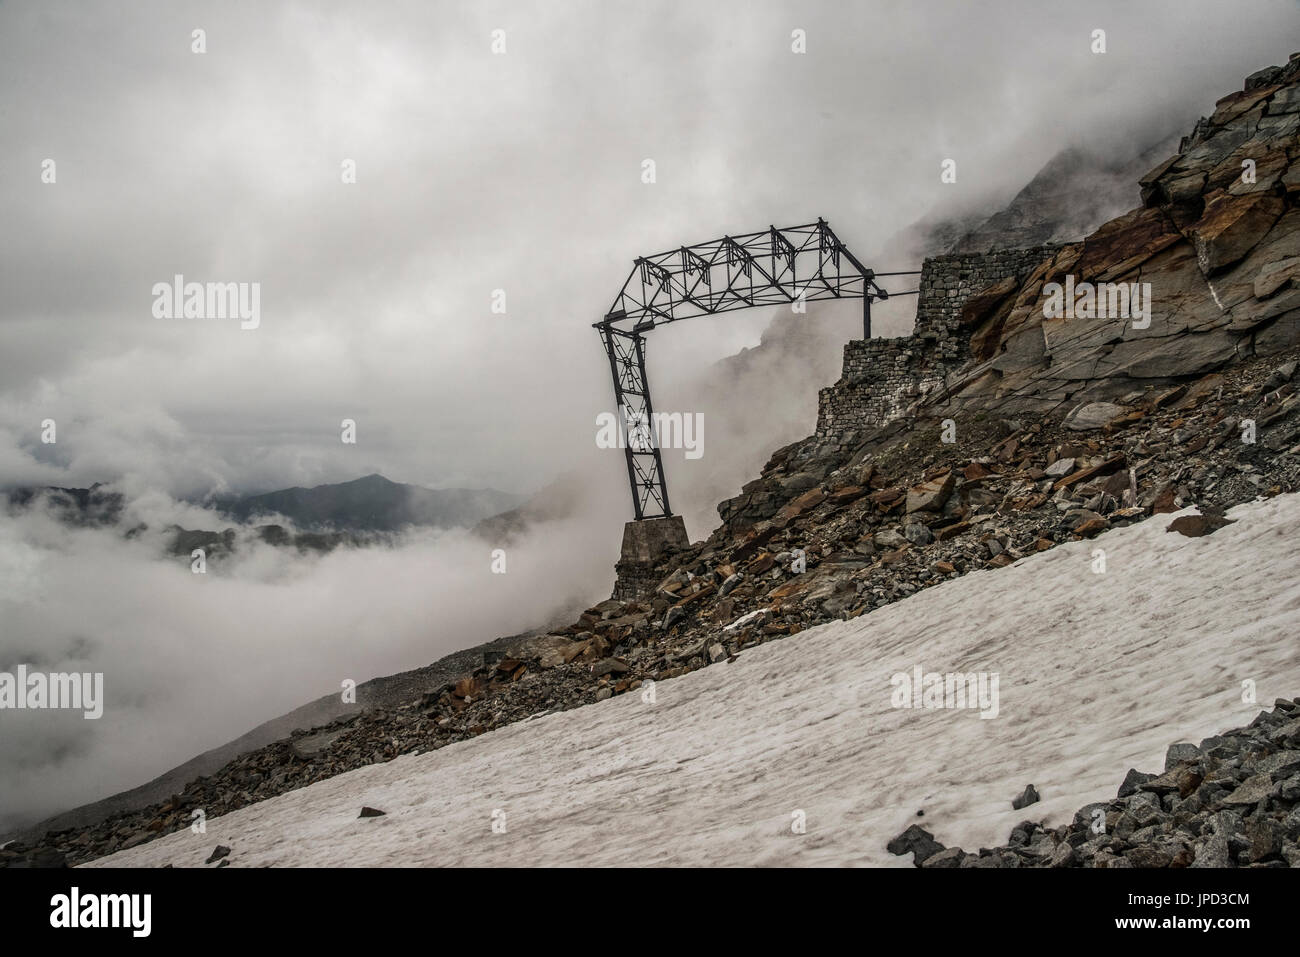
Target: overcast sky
<point>475,171</point>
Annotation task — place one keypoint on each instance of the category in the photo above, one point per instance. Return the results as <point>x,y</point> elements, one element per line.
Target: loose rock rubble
<point>1231,801</point>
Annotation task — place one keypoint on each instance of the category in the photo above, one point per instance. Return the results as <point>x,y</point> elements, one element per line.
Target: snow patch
<point>745,619</point>
<point>1098,672</point>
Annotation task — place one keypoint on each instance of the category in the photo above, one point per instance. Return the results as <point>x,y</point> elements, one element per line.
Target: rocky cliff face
<point>1076,191</point>
<point>1215,248</point>
<point>1202,275</point>
<point>1070,197</point>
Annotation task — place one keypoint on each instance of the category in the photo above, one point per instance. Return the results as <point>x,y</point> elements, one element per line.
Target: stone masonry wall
<point>633,580</point>
<point>644,543</point>
<point>882,378</point>
<point>948,281</point>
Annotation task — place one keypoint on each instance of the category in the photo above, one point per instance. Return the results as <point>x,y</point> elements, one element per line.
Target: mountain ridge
<point>371,503</point>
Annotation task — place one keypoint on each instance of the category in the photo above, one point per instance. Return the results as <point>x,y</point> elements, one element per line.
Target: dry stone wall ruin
<point>882,378</point>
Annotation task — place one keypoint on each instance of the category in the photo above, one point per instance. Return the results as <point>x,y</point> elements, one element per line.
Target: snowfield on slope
<point>1097,673</point>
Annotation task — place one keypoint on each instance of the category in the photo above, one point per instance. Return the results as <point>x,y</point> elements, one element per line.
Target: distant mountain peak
<point>373,503</point>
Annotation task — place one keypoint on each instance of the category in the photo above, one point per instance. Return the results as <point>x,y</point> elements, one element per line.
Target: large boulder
<point>931,495</point>
<point>1093,415</point>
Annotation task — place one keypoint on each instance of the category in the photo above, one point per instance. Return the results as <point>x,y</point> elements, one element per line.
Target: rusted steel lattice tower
<point>772,267</point>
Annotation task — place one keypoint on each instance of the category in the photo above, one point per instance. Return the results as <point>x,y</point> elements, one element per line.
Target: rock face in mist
<point>370,504</point>
<point>556,501</point>
<point>227,541</point>
<point>373,503</point>
<point>1214,250</point>
<point>94,506</point>
<point>1074,193</point>
<point>1070,197</point>
<point>358,514</point>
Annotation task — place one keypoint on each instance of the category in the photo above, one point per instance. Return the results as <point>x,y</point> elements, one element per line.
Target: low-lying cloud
<point>191,661</point>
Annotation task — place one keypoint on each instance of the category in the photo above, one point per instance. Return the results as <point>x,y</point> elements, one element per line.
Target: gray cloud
<point>191,661</point>
<point>478,172</point>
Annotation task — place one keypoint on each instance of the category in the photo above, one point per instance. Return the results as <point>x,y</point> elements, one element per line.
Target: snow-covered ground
<point>1096,673</point>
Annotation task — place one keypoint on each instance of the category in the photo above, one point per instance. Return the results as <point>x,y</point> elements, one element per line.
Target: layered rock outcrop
<point>1213,252</point>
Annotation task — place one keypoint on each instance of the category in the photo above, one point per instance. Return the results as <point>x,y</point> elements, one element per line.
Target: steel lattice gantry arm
<point>773,267</point>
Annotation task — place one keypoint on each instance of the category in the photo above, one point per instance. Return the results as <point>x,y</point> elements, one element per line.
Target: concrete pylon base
<point>644,543</point>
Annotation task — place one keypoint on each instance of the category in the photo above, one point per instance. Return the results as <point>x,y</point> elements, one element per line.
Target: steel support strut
<point>636,424</point>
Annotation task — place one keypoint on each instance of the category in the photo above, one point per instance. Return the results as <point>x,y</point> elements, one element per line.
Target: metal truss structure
<point>772,267</point>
